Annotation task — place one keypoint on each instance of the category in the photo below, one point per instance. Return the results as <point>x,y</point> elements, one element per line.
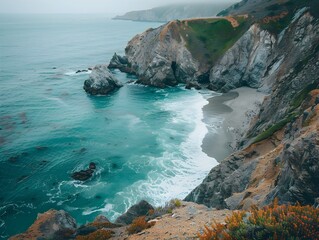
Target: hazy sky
<point>85,6</point>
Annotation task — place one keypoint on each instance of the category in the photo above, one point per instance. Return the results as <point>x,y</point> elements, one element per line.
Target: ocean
<point>146,142</point>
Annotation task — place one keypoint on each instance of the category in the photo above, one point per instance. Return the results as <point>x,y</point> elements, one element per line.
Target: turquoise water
<point>145,141</point>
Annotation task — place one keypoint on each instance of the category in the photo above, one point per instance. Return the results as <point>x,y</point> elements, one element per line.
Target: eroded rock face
<point>137,210</point>
<point>285,163</point>
<point>52,224</point>
<point>101,81</point>
<point>245,63</point>
<point>121,63</point>
<point>160,58</point>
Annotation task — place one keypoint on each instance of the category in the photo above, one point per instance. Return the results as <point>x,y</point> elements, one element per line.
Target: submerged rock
<point>101,81</point>
<point>52,224</point>
<point>137,210</point>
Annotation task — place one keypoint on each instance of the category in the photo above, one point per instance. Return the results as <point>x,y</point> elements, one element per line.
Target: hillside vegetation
<point>175,11</point>
<point>208,39</point>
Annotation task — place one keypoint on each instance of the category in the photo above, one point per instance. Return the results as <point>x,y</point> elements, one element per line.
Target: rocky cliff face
<point>245,63</point>
<point>160,58</point>
<point>278,158</point>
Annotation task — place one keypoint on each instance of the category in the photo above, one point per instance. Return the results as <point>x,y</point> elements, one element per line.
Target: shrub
<point>139,224</point>
<point>100,234</point>
<point>271,222</point>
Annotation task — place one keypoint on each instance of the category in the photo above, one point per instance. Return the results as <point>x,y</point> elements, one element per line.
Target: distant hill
<point>176,11</point>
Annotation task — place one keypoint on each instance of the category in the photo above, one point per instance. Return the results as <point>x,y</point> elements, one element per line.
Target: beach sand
<point>227,118</point>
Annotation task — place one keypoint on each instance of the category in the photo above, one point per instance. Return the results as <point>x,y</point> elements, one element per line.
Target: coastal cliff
<point>176,11</point>
<point>277,157</point>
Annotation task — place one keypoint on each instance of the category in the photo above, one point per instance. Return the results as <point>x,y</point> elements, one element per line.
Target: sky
<point>86,6</point>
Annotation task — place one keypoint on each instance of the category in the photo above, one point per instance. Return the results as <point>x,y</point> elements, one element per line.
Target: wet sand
<point>227,118</point>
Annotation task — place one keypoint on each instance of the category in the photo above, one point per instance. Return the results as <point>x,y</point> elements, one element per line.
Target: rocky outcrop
<point>160,58</point>
<point>245,63</point>
<point>278,156</point>
<point>84,175</point>
<point>101,81</point>
<point>137,210</point>
<point>121,63</point>
<point>50,225</point>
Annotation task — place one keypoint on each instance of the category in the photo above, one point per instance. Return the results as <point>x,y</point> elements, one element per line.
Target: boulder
<point>84,175</point>
<point>192,84</point>
<point>52,224</point>
<point>101,81</point>
<point>137,210</point>
<point>120,63</point>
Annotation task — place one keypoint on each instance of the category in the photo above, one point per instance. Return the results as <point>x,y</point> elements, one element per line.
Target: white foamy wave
<point>182,166</point>
<point>73,73</point>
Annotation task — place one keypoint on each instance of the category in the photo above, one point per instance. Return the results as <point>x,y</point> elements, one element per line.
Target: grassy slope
<point>209,39</point>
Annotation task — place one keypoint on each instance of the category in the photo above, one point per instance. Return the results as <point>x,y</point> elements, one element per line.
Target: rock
<point>92,166</point>
<point>245,63</point>
<point>80,71</point>
<point>101,81</point>
<point>84,175</point>
<point>160,58</point>
<point>121,63</point>
<point>137,210</point>
<point>101,219</point>
<point>52,224</point>
<point>190,85</point>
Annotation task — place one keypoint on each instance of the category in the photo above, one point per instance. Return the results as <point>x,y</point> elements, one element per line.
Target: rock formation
<point>50,225</point>
<point>278,157</point>
<point>101,81</point>
<point>137,210</point>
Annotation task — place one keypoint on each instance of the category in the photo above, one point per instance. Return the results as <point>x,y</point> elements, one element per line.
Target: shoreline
<point>227,118</point>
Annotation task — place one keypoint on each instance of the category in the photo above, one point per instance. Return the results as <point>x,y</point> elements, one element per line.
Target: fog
<point>86,6</point>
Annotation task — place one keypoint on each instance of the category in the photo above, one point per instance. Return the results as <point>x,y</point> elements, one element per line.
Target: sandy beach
<point>227,118</point>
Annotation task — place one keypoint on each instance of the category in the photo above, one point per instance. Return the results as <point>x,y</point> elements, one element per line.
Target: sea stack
<point>101,81</point>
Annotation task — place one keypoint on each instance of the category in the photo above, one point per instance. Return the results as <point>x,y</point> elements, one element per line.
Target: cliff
<point>278,157</point>
<point>176,11</point>
<point>276,51</point>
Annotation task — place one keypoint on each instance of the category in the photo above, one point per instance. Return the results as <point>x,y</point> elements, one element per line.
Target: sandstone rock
<point>101,81</point>
<point>137,210</point>
<point>52,224</point>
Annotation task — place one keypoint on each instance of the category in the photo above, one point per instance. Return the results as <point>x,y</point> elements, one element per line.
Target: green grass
<point>209,39</point>
<point>270,131</point>
<point>301,96</point>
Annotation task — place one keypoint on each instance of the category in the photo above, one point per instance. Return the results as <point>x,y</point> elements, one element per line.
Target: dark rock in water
<point>54,68</point>
<point>121,63</point>
<point>101,81</point>
<point>40,148</point>
<point>92,165</point>
<point>137,210</point>
<point>190,85</point>
<point>52,224</point>
<point>90,68</point>
<point>80,71</point>
<point>84,175</point>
